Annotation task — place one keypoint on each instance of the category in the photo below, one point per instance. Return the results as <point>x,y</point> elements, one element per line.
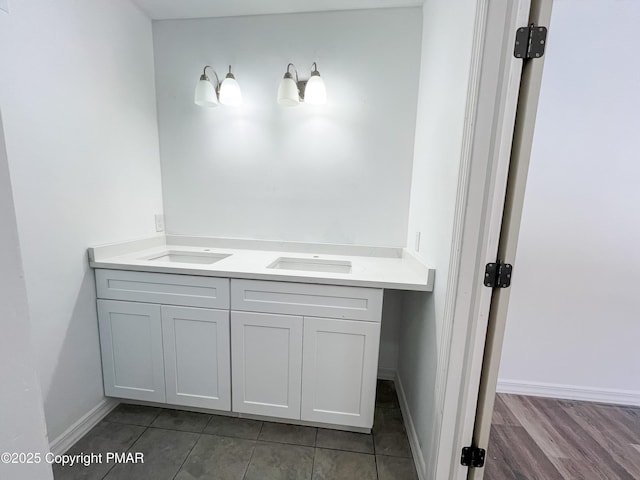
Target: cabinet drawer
<point>169,289</point>
<point>330,301</point>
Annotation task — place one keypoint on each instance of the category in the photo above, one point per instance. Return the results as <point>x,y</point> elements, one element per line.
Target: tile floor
<point>188,446</point>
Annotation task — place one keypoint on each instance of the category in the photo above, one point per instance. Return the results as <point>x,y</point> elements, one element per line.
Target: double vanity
<point>262,329</point>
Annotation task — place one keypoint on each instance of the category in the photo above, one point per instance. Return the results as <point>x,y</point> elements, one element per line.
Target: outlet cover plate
<point>159,218</point>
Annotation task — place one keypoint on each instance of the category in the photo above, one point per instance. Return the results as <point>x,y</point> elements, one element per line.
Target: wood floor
<point>547,439</point>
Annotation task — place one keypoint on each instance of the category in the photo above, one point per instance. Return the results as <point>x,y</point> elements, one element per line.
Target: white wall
<point>77,93</point>
<point>446,58</point>
<point>338,173</point>
<point>392,306</point>
<point>22,425</point>
<point>574,314</point>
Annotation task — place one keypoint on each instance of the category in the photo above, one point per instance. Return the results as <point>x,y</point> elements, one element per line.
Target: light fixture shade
<point>205,95</point>
<point>230,93</point>
<point>315,92</point>
<point>288,94</point>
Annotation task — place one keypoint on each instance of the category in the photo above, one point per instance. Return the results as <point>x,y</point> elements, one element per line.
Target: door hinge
<point>498,275</point>
<point>530,42</point>
<point>473,457</point>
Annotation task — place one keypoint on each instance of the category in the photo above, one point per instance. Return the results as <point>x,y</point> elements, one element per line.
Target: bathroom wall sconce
<point>210,95</point>
<point>291,92</point>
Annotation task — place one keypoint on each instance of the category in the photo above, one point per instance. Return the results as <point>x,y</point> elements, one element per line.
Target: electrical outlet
<point>417,241</point>
<point>159,222</point>
<point>4,6</point>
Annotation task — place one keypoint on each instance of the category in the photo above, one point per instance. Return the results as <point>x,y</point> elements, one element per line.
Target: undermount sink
<point>175,256</point>
<point>312,265</point>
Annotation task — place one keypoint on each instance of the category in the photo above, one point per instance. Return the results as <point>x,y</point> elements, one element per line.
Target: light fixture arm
<point>288,74</point>
<point>216,85</point>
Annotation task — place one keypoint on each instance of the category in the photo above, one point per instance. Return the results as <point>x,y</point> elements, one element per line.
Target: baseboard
<point>76,431</point>
<point>386,373</point>
<point>414,443</point>
<point>570,392</point>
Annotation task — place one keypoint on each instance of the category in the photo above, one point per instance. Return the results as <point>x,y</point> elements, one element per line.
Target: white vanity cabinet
<point>131,346</point>
<point>277,349</point>
<point>158,343</point>
<point>267,364</point>
<point>304,351</point>
<point>339,371</point>
<point>197,365</point>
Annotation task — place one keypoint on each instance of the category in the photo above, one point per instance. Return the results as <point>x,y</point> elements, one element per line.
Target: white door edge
<point>491,106</point>
<point>540,14</point>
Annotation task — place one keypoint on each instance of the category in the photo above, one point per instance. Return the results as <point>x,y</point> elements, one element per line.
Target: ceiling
<point>171,9</point>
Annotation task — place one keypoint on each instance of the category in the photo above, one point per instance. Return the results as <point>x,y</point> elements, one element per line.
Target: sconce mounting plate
<point>302,86</point>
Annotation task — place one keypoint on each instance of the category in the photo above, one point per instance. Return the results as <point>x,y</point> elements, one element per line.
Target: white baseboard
<point>386,373</point>
<point>569,392</point>
<point>76,431</point>
<point>414,443</point>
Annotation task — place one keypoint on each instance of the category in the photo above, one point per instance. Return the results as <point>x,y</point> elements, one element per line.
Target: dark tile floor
<point>188,446</point>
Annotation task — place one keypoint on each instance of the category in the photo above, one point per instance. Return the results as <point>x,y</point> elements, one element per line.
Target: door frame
<point>492,103</point>
<point>519,166</point>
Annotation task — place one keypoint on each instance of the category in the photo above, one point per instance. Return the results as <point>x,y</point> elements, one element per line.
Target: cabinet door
<point>266,352</point>
<point>131,346</point>
<point>197,362</point>
<point>339,371</point>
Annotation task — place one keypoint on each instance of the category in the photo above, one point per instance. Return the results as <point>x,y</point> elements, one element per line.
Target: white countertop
<point>377,267</point>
